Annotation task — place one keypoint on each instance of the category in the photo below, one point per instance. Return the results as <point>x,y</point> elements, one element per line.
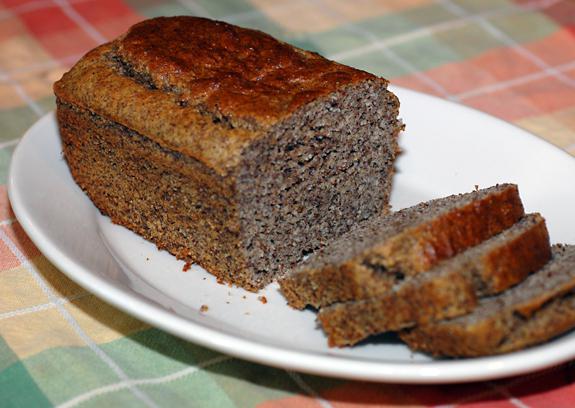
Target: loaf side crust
<point>190,212</point>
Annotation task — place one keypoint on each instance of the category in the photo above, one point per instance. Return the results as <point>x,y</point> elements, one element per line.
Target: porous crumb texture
<point>536,310</point>
<point>225,146</point>
<point>383,251</point>
<point>450,289</point>
<point>316,175</point>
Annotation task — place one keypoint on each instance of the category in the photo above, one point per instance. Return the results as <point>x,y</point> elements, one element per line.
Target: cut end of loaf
<point>314,176</point>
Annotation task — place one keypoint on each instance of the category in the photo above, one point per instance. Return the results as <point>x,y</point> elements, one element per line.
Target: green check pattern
<point>61,346</point>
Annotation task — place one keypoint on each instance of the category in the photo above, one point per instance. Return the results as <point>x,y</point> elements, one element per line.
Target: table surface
<point>60,345</point>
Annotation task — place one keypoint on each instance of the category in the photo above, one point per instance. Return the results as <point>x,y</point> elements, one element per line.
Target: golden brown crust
<point>420,248</point>
<point>95,84</point>
<point>511,263</point>
<point>242,74</point>
<point>213,88</point>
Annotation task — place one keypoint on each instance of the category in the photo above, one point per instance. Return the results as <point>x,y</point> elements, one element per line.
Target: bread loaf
<point>225,146</point>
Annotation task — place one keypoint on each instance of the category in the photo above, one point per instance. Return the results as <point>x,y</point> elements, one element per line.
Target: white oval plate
<point>447,149</point>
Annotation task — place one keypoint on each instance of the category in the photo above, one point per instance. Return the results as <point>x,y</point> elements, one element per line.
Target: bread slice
<point>536,310</point>
<point>450,289</point>
<point>383,251</point>
<point>225,146</point>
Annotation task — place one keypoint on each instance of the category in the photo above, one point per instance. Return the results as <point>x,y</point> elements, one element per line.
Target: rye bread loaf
<point>536,310</point>
<point>225,146</point>
<point>450,289</point>
<point>379,253</point>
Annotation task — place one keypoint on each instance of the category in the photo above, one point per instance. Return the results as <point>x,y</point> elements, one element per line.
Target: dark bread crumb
<point>263,299</point>
<point>204,308</point>
<point>187,266</point>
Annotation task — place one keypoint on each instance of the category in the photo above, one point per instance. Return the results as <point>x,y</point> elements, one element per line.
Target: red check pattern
<point>59,345</point>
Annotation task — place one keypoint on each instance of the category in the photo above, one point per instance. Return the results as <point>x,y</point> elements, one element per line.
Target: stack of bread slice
<point>465,275</point>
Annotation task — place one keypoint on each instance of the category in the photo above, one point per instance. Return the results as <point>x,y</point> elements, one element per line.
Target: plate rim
<point>324,364</point>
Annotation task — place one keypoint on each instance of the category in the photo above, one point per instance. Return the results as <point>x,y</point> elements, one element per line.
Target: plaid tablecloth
<point>60,345</point>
